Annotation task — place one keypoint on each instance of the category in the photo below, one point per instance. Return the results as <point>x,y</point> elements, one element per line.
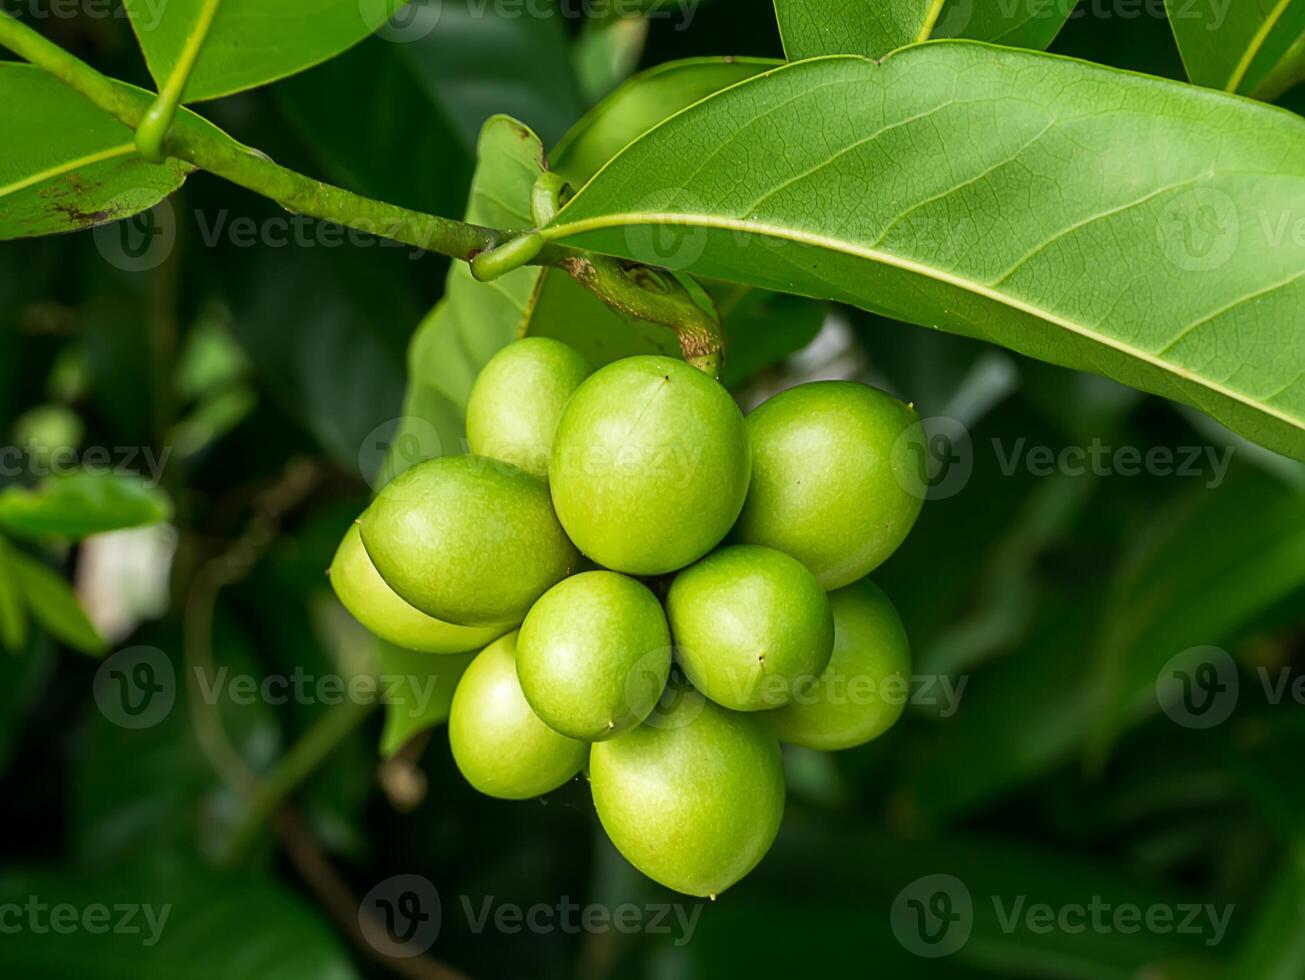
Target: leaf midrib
<point>67,166</point>
<point>1256,45</point>
<point>568,229</point>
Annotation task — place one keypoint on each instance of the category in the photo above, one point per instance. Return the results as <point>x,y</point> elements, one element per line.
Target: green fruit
<point>752,627</point>
<point>693,797</point>
<point>498,742</point>
<point>835,478</point>
<point>650,466</point>
<point>867,683</point>
<point>594,654</point>
<point>375,605</point>
<point>467,539</point>
<point>518,399</point>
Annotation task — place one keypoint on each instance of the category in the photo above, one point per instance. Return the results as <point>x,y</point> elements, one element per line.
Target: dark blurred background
<point>1041,763</point>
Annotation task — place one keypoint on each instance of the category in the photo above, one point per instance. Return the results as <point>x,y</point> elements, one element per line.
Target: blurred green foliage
<point>271,362</point>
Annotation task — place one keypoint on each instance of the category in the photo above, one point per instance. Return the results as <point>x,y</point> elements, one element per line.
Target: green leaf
<point>80,504</point>
<point>185,921</point>
<point>607,52</point>
<point>339,373</point>
<point>762,328</point>
<point>13,615</point>
<point>474,319</point>
<point>1203,568</point>
<point>640,104</point>
<point>411,154</point>
<point>1003,195</point>
<point>1198,578</point>
<point>1275,949</point>
<point>152,790</point>
<point>251,42</point>
<point>866,876</point>
<point>810,28</point>
<point>566,311</point>
<point>54,604</point>
<point>65,164</point>
<point>1255,47</point>
<point>563,309</point>
<point>480,60</point>
<point>418,690</point>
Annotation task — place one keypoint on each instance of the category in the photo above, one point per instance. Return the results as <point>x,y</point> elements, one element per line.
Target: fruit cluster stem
<point>648,294</point>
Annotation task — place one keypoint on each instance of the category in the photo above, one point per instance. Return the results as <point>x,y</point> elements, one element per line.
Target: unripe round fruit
<point>867,683</point>
<point>693,797</point>
<point>752,627</point>
<point>594,654</point>
<point>498,742</point>
<point>834,483</point>
<point>650,466</point>
<point>517,401</point>
<point>374,604</point>
<point>468,540</point>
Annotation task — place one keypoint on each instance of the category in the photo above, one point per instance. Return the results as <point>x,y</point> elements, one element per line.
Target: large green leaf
<point>1115,223</point>
<point>480,60</point>
<point>64,164</point>
<point>1256,47</point>
<point>167,922</point>
<point>250,42</point>
<point>810,28</point>
<point>640,104</point>
<point>82,503</point>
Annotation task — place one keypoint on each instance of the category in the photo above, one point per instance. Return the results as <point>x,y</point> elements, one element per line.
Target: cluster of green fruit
<point>666,588</point>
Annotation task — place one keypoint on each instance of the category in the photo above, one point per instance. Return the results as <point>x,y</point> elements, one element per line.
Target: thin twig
<point>631,288</point>
<point>341,904</point>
